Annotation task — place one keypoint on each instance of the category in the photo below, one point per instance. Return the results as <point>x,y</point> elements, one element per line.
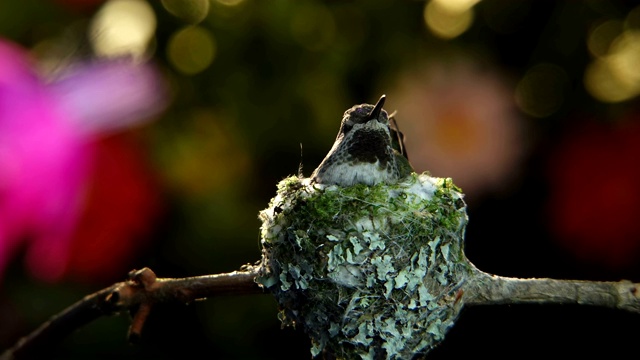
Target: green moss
<point>369,271</point>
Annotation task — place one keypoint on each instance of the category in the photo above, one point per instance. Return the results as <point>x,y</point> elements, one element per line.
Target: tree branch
<point>143,290</point>
<point>486,289</point>
<point>139,293</point>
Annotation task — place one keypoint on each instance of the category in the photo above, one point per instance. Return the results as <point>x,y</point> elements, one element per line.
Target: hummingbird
<point>350,255</point>
<point>369,149</point>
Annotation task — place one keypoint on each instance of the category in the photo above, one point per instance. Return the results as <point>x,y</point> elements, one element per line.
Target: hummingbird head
<point>363,152</point>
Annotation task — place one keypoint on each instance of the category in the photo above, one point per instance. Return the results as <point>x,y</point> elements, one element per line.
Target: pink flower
<point>46,148</point>
<point>460,122</point>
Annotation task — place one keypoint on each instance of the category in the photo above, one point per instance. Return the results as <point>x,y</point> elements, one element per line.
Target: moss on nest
<point>369,271</point>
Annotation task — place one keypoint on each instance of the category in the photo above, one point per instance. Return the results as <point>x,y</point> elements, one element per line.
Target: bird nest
<point>370,272</point>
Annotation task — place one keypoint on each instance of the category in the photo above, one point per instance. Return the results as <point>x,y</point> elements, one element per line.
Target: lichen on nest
<point>370,272</point>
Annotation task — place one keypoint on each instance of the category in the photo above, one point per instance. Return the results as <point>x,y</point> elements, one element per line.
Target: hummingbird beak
<point>373,115</point>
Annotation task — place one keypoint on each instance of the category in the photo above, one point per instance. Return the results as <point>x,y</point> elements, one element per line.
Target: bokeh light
<point>625,57</point>
<point>123,27</point>
<point>541,90</point>
<point>191,11</point>
<point>632,20</point>
<point>191,50</point>
<point>229,2</point>
<point>456,6</point>
<point>614,75</point>
<point>602,36</point>
<point>448,19</point>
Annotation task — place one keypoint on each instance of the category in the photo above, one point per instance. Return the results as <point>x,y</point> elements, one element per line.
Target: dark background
<point>281,75</point>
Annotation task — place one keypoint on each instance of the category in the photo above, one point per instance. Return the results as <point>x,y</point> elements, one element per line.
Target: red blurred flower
<point>595,193</point>
<point>47,152</point>
<point>123,199</point>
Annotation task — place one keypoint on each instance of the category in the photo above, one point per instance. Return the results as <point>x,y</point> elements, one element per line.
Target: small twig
<point>139,293</point>
<point>486,289</point>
